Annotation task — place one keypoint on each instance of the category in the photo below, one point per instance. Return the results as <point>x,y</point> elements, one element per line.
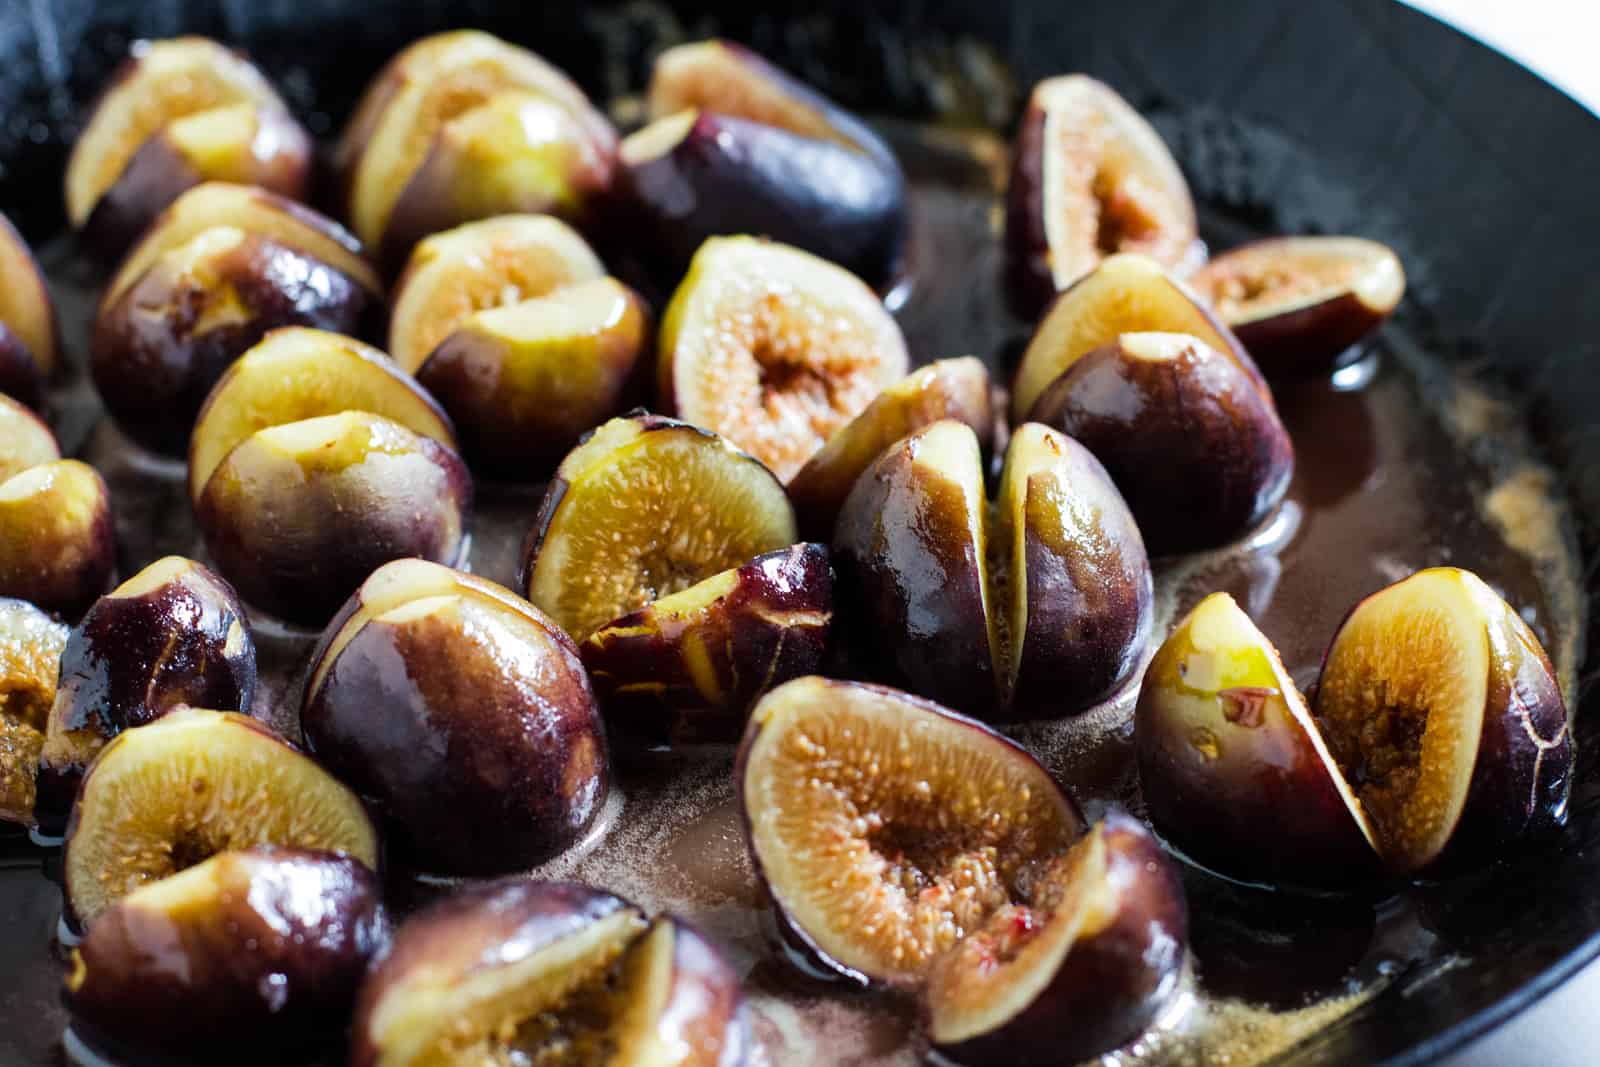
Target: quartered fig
<point>1085,966</point>
<point>1234,771</point>
<point>464,714</point>
<point>886,828</point>
<point>259,950</point>
<point>774,348</point>
<point>57,541</point>
<point>481,265</point>
<point>687,668</point>
<point>524,381</point>
<point>30,660</point>
<point>1442,709</point>
<point>1089,178</point>
<point>1126,293</point>
<point>1297,303</point>
<point>1036,606</point>
<point>1196,450</point>
<point>699,174</point>
<point>171,635</point>
<point>947,389</point>
<point>27,322</point>
<point>556,973</point>
<point>645,507</point>
<point>169,795</point>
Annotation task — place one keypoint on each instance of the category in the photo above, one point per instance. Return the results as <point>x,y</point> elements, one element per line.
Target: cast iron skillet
<point>1384,122</point>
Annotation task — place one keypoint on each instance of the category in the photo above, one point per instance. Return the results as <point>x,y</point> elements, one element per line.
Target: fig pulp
<point>30,661</point>
<point>57,540</point>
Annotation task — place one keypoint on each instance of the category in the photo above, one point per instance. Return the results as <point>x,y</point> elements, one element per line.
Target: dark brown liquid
<point>1385,484</point>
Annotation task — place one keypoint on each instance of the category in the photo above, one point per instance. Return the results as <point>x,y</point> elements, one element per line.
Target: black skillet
<point>1317,115</point>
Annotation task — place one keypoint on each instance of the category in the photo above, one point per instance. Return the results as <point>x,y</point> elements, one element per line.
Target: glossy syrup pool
<point>1401,464</point>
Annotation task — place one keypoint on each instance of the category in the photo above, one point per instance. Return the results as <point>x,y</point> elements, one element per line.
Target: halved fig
<point>57,541</point>
<point>464,714</point>
<point>1196,450</point>
<point>477,266</point>
<point>30,660</point>
<point>1126,293</point>
<point>524,381</point>
<point>774,348</point>
<point>27,321</point>
<point>298,373</point>
<point>1297,303</point>
<point>25,440</point>
<point>1233,769</point>
<point>886,828</point>
<point>1090,178</point>
<point>1036,606</point>
<point>644,507</point>
<point>699,174</point>
<point>167,796</point>
<point>259,950</point>
<point>519,971</point>
<point>1082,968</point>
<point>687,668</point>
<point>1442,709</point>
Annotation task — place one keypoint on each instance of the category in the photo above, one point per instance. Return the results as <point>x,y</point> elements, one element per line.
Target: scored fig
<point>687,668</point>
<point>25,440</point>
<point>1442,709</point>
<point>1089,178</point>
<point>774,348</point>
<point>263,948</point>
<point>30,661</point>
<point>27,321</point>
<point>1126,293</point>
<point>1083,968</point>
<point>519,971</point>
<point>597,549</point>
<point>57,542</point>
<point>947,389</point>
<point>169,795</point>
<point>1297,303</point>
<point>1196,450</point>
<point>1233,769</point>
<point>885,827</point>
<point>464,714</point>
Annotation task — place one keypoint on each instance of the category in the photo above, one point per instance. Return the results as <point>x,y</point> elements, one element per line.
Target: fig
<point>30,659</point>
<point>947,389</point>
<point>1298,303</point>
<point>1233,769</point>
<point>1126,293</point>
<point>25,441</point>
<point>524,381</point>
<point>774,348</point>
<point>479,266</point>
<point>1089,178</point>
<point>687,668</point>
<point>519,971</point>
<point>1082,968</point>
<point>1196,450</point>
<point>57,541</point>
<point>259,950</point>
<point>166,796</point>
<point>464,714</point>
<point>597,549</point>
<point>173,634</point>
<point>298,514</point>
<point>885,828</point>
<point>27,322</point>
<point>1036,606</point>
<point>698,174</point>
<point>1443,712</point>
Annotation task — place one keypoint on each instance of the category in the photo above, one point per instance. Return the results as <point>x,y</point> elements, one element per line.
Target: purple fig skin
<point>1197,451</point>
<point>268,960</point>
<point>771,625</point>
<point>1027,280</point>
<point>705,1009</point>
<point>19,372</point>
<point>484,752</point>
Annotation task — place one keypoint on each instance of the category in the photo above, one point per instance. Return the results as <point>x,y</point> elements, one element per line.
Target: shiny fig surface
<point>25,440</point>
<point>1442,709</point>
<point>57,541</point>
<point>884,827</point>
<point>687,668</point>
<point>464,714</point>
<point>261,949</point>
<point>1082,968</point>
<point>27,321</point>
<point>1233,769</point>
<point>1198,452</point>
<point>30,662</point>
